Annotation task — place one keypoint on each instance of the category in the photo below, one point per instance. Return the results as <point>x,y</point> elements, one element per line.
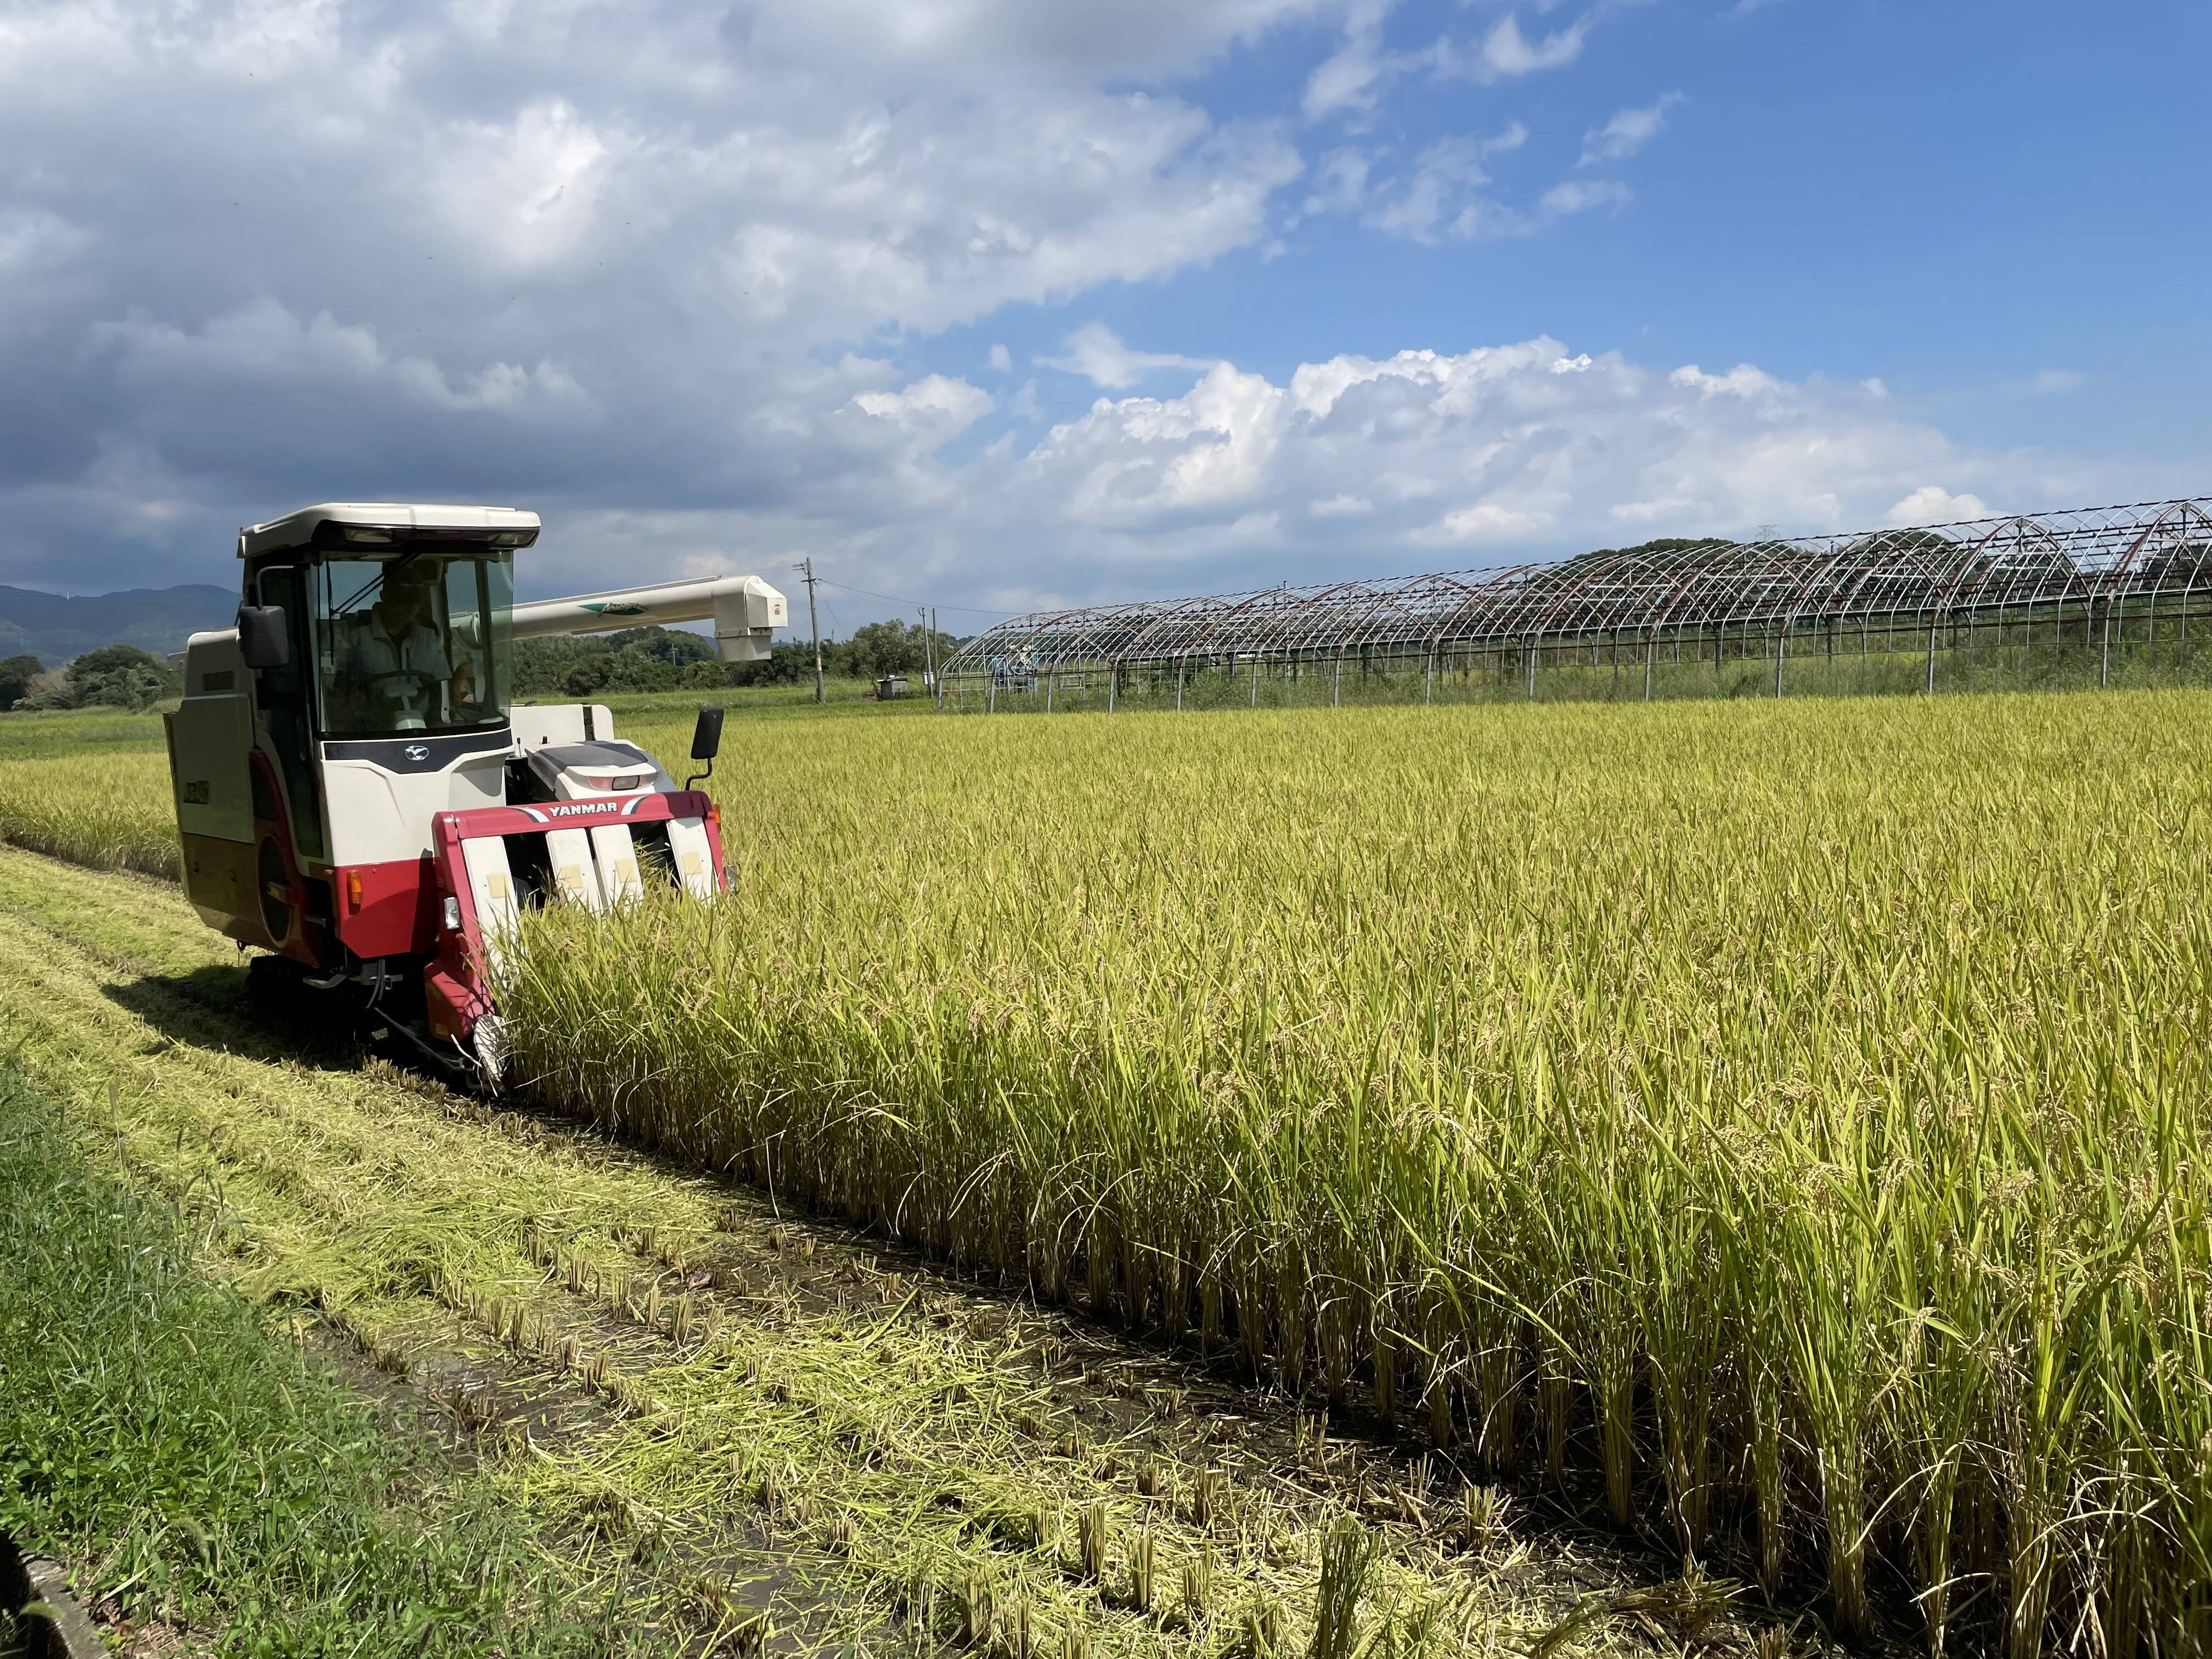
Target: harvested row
<point>1793,1112</point>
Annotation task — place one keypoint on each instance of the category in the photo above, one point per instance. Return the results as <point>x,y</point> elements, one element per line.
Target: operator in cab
<point>394,667</point>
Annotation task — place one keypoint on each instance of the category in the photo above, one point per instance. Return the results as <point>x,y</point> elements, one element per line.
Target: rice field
<point>89,787</point>
<point>1785,1118</point>
<point>1791,1114</point>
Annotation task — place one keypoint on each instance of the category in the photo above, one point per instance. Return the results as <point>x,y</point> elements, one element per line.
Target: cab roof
<point>327,525</point>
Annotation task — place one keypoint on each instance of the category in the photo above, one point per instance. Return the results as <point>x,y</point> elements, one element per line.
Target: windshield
<point>416,642</point>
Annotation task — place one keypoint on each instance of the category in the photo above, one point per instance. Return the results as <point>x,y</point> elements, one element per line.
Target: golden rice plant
<point>1789,1116</point>
<point>110,808</point>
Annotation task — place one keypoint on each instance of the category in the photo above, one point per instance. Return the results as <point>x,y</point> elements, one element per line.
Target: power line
<point>975,610</point>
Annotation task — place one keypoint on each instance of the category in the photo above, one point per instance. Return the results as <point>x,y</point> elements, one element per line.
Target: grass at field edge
<point>194,1470</point>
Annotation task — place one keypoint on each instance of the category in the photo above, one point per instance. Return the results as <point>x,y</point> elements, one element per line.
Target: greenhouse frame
<point>2091,596</point>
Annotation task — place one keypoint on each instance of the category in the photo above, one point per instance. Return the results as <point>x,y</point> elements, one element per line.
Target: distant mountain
<point>54,628</point>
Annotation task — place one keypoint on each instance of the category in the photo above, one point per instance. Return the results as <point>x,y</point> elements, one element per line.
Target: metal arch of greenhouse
<point>2020,591</point>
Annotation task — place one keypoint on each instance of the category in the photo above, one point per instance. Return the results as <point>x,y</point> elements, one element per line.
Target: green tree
<point>891,647</point>
<point>122,676</point>
<point>632,660</point>
<point>786,663</point>
<point>17,674</point>
<point>674,645</point>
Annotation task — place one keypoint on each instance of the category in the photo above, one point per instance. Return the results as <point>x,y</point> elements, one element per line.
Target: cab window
<point>415,643</point>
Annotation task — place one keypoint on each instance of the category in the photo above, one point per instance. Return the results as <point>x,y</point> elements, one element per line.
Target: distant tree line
<point>634,659</point>
<point>114,676</point>
<point>672,659</point>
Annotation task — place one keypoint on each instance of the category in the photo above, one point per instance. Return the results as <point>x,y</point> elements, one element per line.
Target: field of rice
<point>1787,1116</point>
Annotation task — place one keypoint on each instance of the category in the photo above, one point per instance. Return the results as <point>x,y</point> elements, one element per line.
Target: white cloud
<point>1445,195</point>
<point>425,234</point>
<point>1579,196</point>
<point>1352,81</point>
<point>1357,465</point>
<point>1002,360</point>
<point>1744,380</point>
<point>1096,352</point>
<point>1353,77</point>
<point>780,167</point>
<point>1875,388</point>
<point>1339,182</point>
<point>2056,380</point>
<point>936,405</point>
<point>1505,53</point>
<point>1933,504</point>
<point>1627,132</point>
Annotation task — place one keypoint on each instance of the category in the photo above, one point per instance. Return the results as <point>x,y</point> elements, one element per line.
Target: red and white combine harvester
<point>358,792</point>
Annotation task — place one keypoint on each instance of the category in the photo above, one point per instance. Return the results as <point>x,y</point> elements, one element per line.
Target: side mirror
<point>264,640</point>
<point>706,743</point>
<point>706,736</point>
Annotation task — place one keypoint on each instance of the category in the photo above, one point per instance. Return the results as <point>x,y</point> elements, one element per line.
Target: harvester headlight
<point>355,533</point>
<point>453,914</point>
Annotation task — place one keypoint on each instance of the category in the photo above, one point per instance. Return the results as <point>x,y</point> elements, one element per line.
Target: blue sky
<point>997,306</point>
<point>1956,198</point>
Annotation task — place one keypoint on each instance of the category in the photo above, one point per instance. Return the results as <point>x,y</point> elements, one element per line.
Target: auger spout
<point>745,611</point>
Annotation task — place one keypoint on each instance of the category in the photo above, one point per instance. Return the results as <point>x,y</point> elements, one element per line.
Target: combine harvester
<point>358,795</point>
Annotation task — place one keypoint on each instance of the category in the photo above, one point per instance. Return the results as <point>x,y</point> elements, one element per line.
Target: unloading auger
<point>358,794</point>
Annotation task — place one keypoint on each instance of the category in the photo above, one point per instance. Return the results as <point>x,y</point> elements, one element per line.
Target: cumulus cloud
<point>1096,352</point>
<point>1627,132</point>
<point>1489,447</point>
<point>935,406</point>
<point>1933,504</point>
<point>1358,465</point>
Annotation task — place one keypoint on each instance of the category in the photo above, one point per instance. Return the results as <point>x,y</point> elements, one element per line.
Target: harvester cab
<point>358,794</point>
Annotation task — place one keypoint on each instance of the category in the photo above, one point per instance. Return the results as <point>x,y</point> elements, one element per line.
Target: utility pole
<point>928,659</point>
<point>813,623</point>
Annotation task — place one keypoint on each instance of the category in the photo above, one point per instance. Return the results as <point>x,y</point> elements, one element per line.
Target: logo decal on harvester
<point>615,608</point>
<point>415,751</point>
<point>546,814</point>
